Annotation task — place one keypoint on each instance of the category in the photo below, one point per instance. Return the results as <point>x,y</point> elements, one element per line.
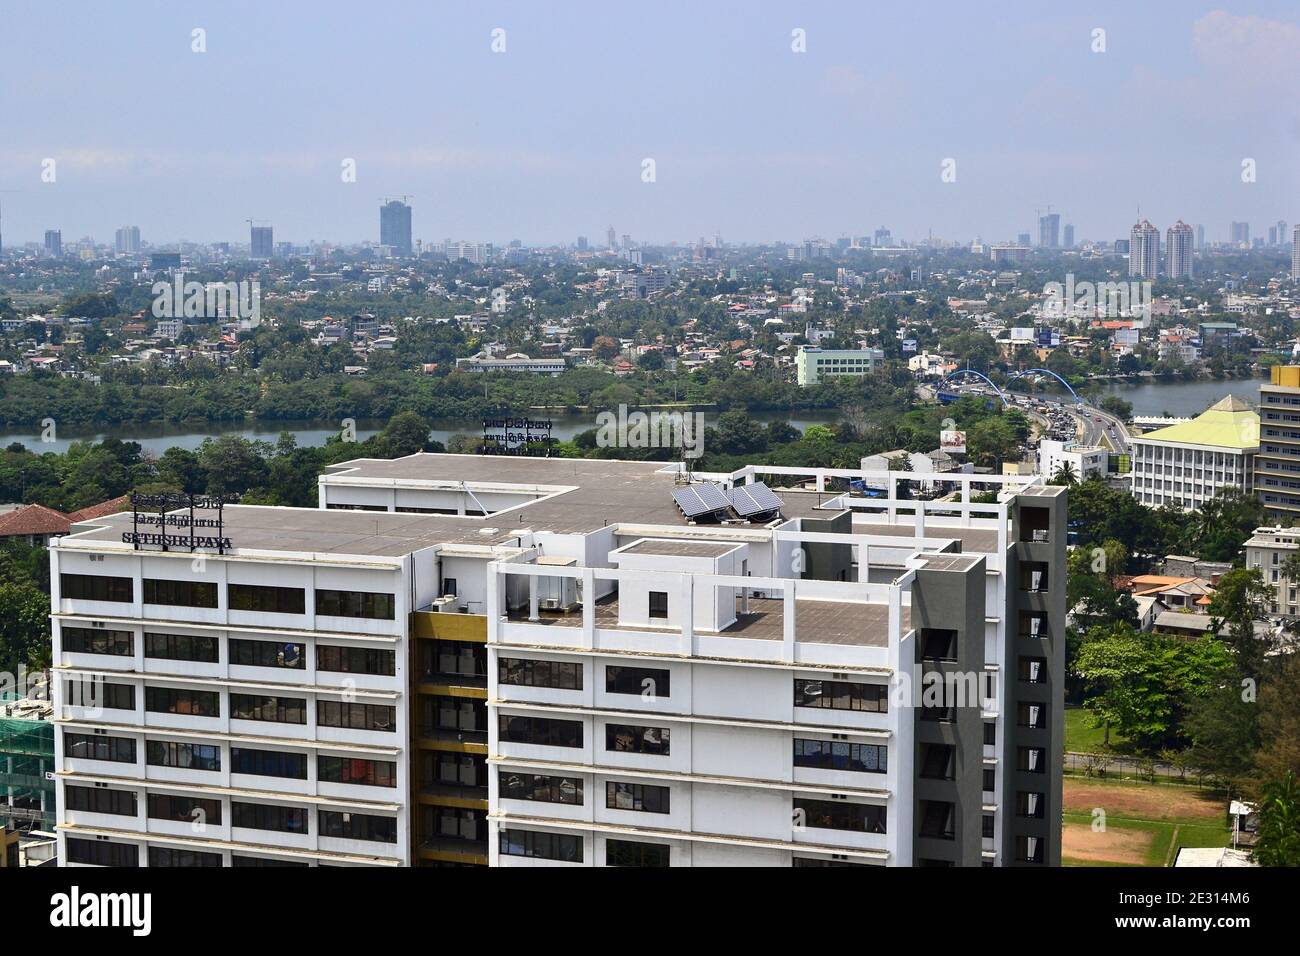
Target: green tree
<point>1279,823</point>
<point>1238,601</point>
<point>24,627</point>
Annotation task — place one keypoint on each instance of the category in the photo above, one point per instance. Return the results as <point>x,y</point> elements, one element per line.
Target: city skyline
<point>547,139</point>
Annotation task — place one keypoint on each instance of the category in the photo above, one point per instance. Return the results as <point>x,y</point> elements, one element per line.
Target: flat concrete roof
<point>679,549</point>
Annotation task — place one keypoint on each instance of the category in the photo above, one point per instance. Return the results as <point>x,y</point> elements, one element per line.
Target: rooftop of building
<point>570,496</point>
<point>1228,423</point>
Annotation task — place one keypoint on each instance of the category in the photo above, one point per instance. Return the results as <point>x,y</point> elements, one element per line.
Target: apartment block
<point>1277,466</point>
<point>554,662</point>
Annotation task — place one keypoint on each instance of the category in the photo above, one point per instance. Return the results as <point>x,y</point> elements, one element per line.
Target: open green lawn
<point>1082,737</point>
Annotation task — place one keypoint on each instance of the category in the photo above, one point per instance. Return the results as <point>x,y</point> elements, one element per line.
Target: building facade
<point>812,364</point>
<point>540,662</point>
<point>395,227</point>
<point>1144,251</point>
<point>1189,463</point>
<point>1179,259</point>
<point>1277,466</point>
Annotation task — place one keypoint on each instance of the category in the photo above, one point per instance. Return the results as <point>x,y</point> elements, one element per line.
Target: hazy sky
<point>545,141</point>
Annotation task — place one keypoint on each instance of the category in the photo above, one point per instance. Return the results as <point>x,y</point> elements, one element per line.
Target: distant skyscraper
<point>1178,251</point>
<point>612,238</point>
<point>1049,231</point>
<point>1022,239</point>
<point>1200,238</point>
<point>582,243</point>
<point>1281,231</point>
<point>882,237</point>
<point>261,242</point>
<point>1144,251</point>
<point>53,243</point>
<point>1068,241</point>
<point>1240,234</point>
<point>1295,255</point>
<point>395,227</point>
<point>127,241</point>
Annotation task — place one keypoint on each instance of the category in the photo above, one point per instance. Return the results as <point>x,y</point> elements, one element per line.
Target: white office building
<point>1189,463</point>
<point>816,364</point>
<point>541,662</point>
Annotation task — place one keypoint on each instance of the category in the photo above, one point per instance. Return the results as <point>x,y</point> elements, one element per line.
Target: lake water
<point>1183,399</point>
<point>310,433</point>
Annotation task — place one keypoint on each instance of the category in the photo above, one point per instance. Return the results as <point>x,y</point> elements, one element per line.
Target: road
<point>1101,428</point>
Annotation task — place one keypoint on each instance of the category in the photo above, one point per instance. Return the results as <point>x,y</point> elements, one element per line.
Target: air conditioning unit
<point>551,604</point>
<point>445,604</point>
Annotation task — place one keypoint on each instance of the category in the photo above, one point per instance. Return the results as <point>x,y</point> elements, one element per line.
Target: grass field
<point>1080,737</point>
<point>1144,824</point>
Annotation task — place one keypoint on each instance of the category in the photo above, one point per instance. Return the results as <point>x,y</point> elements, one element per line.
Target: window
<point>1031,759</point>
<point>172,856</point>
<point>541,731</point>
<point>990,734</point>
<point>636,796</point>
<point>280,710</point>
<point>938,644</point>
<point>189,703</point>
<point>337,713</point>
<point>454,823</point>
<point>457,770</point>
<point>356,660</point>
<point>1032,715</point>
<point>352,770</point>
<point>357,826</point>
<point>96,692</point>
<point>99,747</point>
<point>272,600</point>
<point>989,777</point>
<point>462,658</point>
<point>1029,804</point>
<point>102,852</point>
<point>368,604</point>
<point>658,604</point>
<point>523,672</point>
<point>120,803</point>
<point>1035,524</point>
<point>440,712</point>
<point>1028,849</point>
<point>449,586</point>
<point>637,680</point>
<point>1033,576</point>
<point>262,816</point>
<point>180,593</point>
<point>89,640</point>
<point>164,806</point>
<point>96,587</point>
<point>987,826</point>
<point>540,788</point>
<point>839,815</point>
<point>1033,670</point>
<point>938,761</point>
<point>542,846</point>
<point>938,820</point>
<point>840,755</point>
<point>167,753</point>
<point>632,738</point>
<point>1033,624</point>
<point>267,654</point>
<point>841,695</point>
<point>182,647</point>
<point>268,763</point>
<point>629,853</point>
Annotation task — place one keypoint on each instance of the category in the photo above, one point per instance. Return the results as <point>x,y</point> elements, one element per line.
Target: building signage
<point>516,436</point>
<point>952,441</point>
<point>180,521</point>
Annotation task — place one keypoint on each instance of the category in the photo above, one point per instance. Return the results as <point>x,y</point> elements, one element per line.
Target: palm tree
<point>1065,475</point>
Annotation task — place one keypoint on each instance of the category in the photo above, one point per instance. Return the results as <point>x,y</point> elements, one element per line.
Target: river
<point>158,438</point>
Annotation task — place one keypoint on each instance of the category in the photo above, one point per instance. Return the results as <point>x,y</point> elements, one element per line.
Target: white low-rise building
<point>1187,464</point>
<point>1083,461</point>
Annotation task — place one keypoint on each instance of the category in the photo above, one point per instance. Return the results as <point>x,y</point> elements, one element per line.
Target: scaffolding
<point>26,772</point>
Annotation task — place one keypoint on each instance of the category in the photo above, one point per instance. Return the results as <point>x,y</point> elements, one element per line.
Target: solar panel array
<point>754,499</point>
<point>702,499</point>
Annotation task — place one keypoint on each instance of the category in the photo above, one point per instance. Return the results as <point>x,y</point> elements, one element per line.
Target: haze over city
<point>545,139</point>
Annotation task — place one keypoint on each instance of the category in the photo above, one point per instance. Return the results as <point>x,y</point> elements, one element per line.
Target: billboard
<point>953,442</point>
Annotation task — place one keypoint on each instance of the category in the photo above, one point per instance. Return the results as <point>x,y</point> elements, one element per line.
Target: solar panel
<point>702,499</point>
<point>754,499</point>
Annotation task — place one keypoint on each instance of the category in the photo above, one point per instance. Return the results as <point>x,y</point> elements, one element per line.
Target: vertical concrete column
<point>588,607</point>
<point>532,597</point>
<point>788,621</point>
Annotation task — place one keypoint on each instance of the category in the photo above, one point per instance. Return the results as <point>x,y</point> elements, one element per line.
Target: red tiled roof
<point>33,519</point>
<point>110,507</point>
